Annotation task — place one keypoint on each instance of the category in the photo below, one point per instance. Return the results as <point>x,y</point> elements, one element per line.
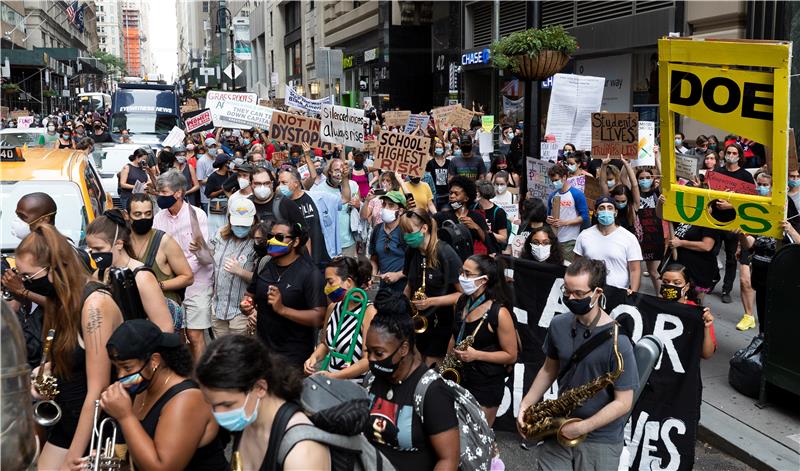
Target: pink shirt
<point>180,228</point>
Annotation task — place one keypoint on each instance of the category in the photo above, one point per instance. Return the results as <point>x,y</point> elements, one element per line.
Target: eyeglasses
<point>565,293</point>
<point>278,237</point>
<point>25,278</point>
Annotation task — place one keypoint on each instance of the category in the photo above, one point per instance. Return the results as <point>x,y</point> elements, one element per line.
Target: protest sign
<point>485,142</point>
<point>342,125</point>
<point>647,139</point>
<point>745,71</point>
<point>371,146</point>
<point>311,107</point>
<point>200,120</point>
<point>402,153</point>
<point>16,114</point>
<point>396,118</point>
<point>577,181</point>
<point>722,182</point>
<point>279,158</point>
<point>686,166</point>
<point>460,117</point>
<point>573,99</point>
<point>174,137</point>
<point>592,190</point>
<point>24,122</point>
<point>245,115</point>
<point>417,120</point>
<point>215,99</point>
<point>615,134</point>
<point>539,185</point>
<point>487,123</point>
<point>548,151</point>
<point>304,171</point>
<point>294,129</point>
<point>441,113</point>
<point>792,152</point>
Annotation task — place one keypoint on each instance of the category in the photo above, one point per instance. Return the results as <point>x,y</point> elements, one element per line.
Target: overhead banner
<point>402,153</point>
<point>200,120</point>
<point>718,91</point>
<point>417,121</point>
<point>246,115</point>
<point>615,134</point>
<point>573,99</point>
<point>298,101</point>
<point>661,432</point>
<point>342,125</point>
<point>294,129</point>
<point>396,118</point>
<point>241,34</point>
<point>215,97</point>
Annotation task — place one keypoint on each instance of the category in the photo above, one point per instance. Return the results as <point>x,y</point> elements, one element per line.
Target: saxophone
<point>420,321</point>
<point>451,366</point>
<point>548,417</point>
<point>46,412</point>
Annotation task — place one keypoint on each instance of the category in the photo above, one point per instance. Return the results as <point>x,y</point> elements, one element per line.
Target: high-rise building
<point>194,33</point>
<point>109,27</point>
<point>135,48</point>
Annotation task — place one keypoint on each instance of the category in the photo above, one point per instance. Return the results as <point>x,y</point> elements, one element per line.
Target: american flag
<point>72,9</point>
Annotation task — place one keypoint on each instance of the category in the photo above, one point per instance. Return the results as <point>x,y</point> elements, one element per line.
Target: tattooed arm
<point>99,318</point>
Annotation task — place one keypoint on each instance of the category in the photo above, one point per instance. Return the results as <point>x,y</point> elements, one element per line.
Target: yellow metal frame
<point>757,215</point>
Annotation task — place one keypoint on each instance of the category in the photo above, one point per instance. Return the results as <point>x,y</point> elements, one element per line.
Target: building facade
<point>109,27</point>
<point>136,48</point>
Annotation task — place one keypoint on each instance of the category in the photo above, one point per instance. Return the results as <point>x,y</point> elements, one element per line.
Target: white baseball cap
<point>242,211</point>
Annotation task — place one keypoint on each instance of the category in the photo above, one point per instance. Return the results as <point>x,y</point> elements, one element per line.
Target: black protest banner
<point>200,120</point>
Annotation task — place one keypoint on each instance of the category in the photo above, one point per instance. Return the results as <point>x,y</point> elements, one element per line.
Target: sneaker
<point>726,298</point>
<point>747,322</point>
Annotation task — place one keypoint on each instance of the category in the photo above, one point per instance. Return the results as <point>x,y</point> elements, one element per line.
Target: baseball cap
<point>396,197</point>
<point>138,339</point>
<point>220,160</point>
<point>210,142</point>
<point>242,212</point>
<point>603,199</point>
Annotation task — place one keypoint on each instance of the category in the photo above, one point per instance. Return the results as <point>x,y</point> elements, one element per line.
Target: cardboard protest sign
<point>174,137</point>
<point>342,125</point>
<point>215,100</point>
<point>441,113</point>
<point>402,153</point>
<point>312,107</point>
<point>722,182</point>
<point>686,166</point>
<point>396,118</point>
<point>539,185</point>
<point>647,139</point>
<point>200,120</point>
<point>459,117</point>
<point>24,122</point>
<point>371,146</point>
<point>615,134</point>
<point>19,113</point>
<point>279,158</point>
<point>487,122</point>
<point>417,120</point>
<point>592,190</point>
<point>294,129</point>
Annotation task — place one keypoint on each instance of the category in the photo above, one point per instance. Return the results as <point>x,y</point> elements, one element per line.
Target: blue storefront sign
<point>476,57</point>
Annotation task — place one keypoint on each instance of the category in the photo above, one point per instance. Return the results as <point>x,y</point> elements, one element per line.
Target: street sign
<point>236,71</point>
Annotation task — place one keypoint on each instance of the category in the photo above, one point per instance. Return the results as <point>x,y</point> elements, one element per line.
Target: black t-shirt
<point>99,138</point>
<point>702,266</point>
<point>726,215</point>
<point>439,280</point>
<point>300,285</point>
<point>496,218</point>
<point>440,174</point>
<point>288,211</point>
<point>319,253</point>
<point>396,429</point>
<point>214,183</point>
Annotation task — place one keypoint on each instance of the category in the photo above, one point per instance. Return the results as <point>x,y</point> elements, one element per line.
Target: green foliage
<point>11,88</point>
<point>112,62</point>
<point>531,42</point>
<point>49,93</point>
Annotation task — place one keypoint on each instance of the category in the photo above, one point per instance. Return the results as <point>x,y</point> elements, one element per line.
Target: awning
<point>24,57</point>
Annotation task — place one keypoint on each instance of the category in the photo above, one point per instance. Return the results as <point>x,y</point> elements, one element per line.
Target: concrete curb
<point>743,442</point>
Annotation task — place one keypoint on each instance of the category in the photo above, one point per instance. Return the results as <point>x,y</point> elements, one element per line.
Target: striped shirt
<point>230,288</point>
<point>345,339</point>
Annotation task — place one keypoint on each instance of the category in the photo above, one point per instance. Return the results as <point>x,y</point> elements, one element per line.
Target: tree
<point>112,62</point>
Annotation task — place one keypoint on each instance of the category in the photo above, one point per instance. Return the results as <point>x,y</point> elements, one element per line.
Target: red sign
<point>200,120</point>
<point>722,182</point>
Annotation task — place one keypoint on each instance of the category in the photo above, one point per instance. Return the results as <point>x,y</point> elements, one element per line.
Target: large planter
<point>542,66</point>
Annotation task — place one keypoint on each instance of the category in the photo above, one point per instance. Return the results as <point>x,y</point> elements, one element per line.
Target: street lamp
<point>224,16</point>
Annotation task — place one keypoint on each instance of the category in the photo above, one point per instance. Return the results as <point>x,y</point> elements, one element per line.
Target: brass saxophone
<point>451,365</point>
<point>548,417</point>
<point>46,412</point>
<point>420,321</point>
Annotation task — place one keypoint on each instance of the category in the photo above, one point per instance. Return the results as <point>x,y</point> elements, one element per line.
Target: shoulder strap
<point>421,390</point>
<point>169,394</point>
<point>278,430</point>
<point>262,262</point>
<point>276,208</point>
<point>585,349</point>
<point>136,270</point>
<point>303,432</point>
<point>90,288</point>
<point>152,248</point>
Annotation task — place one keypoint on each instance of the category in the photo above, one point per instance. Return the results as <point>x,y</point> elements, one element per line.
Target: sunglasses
<point>278,237</point>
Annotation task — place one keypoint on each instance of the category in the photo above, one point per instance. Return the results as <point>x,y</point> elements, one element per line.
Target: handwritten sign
<point>592,190</point>
<point>615,134</point>
<point>686,166</point>
<point>200,120</point>
<point>24,122</point>
<point>417,120</point>
<point>404,154</point>
<point>294,129</point>
<point>371,146</point>
<point>440,115</point>
<point>539,185</point>
<point>342,125</point>
<point>396,118</point>
<point>487,123</point>
<point>214,97</point>
<point>647,139</point>
<point>460,117</point>
<point>312,107</point>
<point>174,137</point>
<point>722,182</point>
<point>549,151</point>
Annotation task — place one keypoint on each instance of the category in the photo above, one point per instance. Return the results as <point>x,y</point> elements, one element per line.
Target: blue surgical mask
<point>241,232</point>
<point>558,184</point>
<point>438,151</point>
<point>621,205</point>
<point>457,153</point>
<point>573,167</point>
<point>284,190</point>
<point>246,142</point>
<point>235,420</point>
<point>762,190</point>
<point>610,183</point>
<point>605,218</point>
<point>794,183</point>
<point>645,184</point>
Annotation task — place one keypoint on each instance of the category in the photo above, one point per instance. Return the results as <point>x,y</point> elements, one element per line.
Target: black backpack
<point>459,237</point>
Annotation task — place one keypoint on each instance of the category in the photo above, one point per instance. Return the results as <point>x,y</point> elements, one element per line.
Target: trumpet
<point>420,321</point>
<point>46,412</point>
<point>450,368</point>
<point>103,448</point>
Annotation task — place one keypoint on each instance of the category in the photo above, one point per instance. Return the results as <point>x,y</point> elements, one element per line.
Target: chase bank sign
<point>476,57</point>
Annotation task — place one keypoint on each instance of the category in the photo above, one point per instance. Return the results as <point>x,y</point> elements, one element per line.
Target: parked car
<point>18,137</point>
<point>110,159</point>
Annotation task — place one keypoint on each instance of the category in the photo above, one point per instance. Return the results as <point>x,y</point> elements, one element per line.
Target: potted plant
<point>11,88</point>
<point>49,93</point>
<point>534,54</point>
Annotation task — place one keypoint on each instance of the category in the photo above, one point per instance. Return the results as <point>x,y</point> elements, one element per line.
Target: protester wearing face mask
<point>50,137</point>
<point>573,211</point>
<point>650,231</point>
<point>676,285</point>
<point>463,194</point>
<point>502,195</point>
<point>65,139</point>
<point>483,312</point>
<point>613,245</point>
<point>243,176</point>
<point>465,164</point>
<point>421,192</point>
<point>188,172</point>
<point>288,296</point>
<point>679,148</point>
<point>319,216</point>
<point>542,246</point>
<point>216,187</point>
<point>204,168</point>
<point>432,443</point>
<point>175,219</point>
<point>108,241</point>
<point>248,388</point>
<point>495,217</point>
<point>439,168</point>
<point>99,133</point>
<point>83,315</point>
<point>701,146</point>
<point>387,248</point>
<point>793,203</point>
<point>134,172</point>
<point>271,207</point>
<point>371,210</point>
<point>573,164</point>
<point>441,270</point>
<point>602,417</point>
<point>338,183</point>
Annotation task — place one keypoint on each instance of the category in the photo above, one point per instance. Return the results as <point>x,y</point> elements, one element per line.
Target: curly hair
<point>467,185</point>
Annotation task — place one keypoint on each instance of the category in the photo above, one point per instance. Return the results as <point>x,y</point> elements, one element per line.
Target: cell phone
<point>410,201</point>
<point>379,191</point>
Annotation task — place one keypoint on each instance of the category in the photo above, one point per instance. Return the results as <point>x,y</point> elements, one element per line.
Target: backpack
<point>125,292</point>
<point>457,236</point>
<point>509,229</point>
<point>339,410</point>
<point>477,440</point>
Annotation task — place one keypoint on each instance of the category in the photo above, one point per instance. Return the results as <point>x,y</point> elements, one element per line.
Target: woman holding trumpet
<point>349,315</point>
<point>432,269</point>
<point>82,316</point>
<point>484,335</point>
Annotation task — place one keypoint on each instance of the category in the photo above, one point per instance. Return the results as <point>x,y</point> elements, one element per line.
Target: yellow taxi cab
<point>67,175</point>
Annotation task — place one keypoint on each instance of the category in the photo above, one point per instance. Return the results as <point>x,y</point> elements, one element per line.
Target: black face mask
<point>165,202</point>
<point>671,292</point>
<point>102,260</point>
<point>385,368</point>
<point>41,286</point>
<point>260,249</point>
<point>579,307</point>
<point>142,226</point>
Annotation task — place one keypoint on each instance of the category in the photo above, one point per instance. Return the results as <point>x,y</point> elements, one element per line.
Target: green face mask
<point>414,239</point>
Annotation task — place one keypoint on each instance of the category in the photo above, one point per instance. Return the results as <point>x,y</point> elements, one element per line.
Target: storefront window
<point>294,60</point>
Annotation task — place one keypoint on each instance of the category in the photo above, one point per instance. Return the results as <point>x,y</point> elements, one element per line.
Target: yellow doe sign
<point>714,82</point>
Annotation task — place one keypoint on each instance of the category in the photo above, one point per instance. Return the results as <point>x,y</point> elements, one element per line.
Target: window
<point>310,5</point>
<point>205,7</point>
<point>270,24</point>
<point>313,50</point>
<point>291,16</point>
<point>294,60</point>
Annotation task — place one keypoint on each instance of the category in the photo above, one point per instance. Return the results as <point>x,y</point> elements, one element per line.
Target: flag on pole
<point>72,10</point>
<point>79,17</point>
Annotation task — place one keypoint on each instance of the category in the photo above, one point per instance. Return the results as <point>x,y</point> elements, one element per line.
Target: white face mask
<point>388,216</point>
<point>262,192</point>
<point>20,229</point>
<point>540,252</point>
<point>243,183</point>
<point>500,189</point>
<point>468,284</point>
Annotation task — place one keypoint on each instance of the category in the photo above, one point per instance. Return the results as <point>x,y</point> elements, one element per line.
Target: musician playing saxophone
<point>483,313</point>
<point>602,416</point>
<point>342,275</point>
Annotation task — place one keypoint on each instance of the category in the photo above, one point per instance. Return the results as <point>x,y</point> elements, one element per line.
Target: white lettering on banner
<point>215,101</point>
<point>522,315</point>
<point>513,397</point>
<point>157,109</point>
<point>660,330</point>
<point>647,433</point>
<point>312,107</point>
<point>342,125</point>
<point>198,121</point>
<point>554,305</point>
<point>247,114</point>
